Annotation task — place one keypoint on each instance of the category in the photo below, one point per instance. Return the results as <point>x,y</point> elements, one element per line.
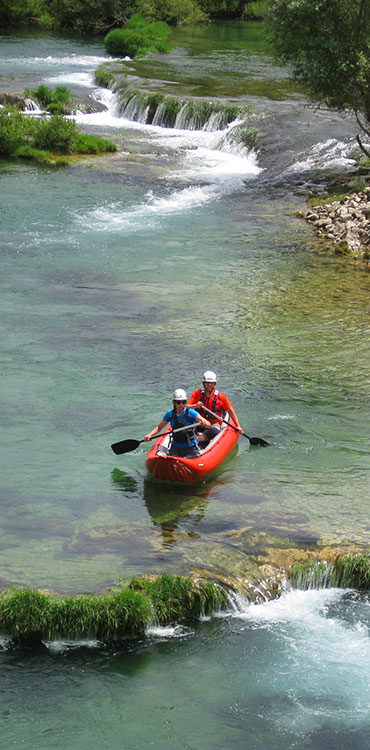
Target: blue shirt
<point>190,419</point>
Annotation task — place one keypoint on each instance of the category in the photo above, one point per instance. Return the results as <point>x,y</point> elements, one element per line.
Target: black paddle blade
<point>259,441</point>
<point>125,446</point>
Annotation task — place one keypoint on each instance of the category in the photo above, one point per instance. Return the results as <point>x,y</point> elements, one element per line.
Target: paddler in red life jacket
<point>214,400</point>
<point>183,443</point>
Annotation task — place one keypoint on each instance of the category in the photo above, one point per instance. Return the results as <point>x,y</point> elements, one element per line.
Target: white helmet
<point>209,376</point>
<point>179,395</point>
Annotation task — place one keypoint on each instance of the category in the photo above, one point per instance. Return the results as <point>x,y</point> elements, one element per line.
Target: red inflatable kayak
<point>187,470</point>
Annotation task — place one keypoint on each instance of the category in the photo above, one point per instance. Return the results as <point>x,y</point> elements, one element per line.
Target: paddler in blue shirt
<point>183,443</point>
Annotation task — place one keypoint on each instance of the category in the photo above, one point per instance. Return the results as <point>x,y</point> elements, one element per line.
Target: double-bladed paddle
<point>125,446</point>
<point>253,440</point>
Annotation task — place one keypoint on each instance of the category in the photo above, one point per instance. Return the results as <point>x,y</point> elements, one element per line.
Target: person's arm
<point>232,413</point>
<point>230,409</point>
<point>194,401</point>
<point>156,429</point>
<point>203,421</point>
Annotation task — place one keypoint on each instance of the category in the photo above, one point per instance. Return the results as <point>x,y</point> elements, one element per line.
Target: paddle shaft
<point>253,441</point>
<point>125,446</point>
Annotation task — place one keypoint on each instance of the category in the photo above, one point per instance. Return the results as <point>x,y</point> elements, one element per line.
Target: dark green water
<point>123,278</point>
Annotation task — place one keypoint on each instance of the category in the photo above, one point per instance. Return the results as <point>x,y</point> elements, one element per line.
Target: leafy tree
<point>174,12</point>
<point>327,45</point>
<point>223,8</point>
<point>90,16</point>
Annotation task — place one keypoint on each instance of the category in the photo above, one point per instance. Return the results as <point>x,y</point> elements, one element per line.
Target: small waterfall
<point>167,111</point>
<point>315,574</point>
<point>31,106</point>
<point>350,570</point>
<point>135,108</point>
<point>172,111</point>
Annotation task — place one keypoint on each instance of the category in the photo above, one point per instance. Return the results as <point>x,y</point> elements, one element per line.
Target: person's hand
<point>197,406</point>
<point>147,437</point>
<point>240,430</point>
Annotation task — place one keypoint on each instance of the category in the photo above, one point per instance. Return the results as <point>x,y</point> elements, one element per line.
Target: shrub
<point>56,101</point>
<point>138,38</point>
<point>36,139</point>
<point>56,134</point>
<point>14,130</point>
<point>126,43</point>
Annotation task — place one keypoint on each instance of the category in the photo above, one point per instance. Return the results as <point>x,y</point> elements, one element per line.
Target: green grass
<point>103,77</point>
<point>176,597</point>
<point>30,616</point>
<point>92,144</point>
<point>350,570</point>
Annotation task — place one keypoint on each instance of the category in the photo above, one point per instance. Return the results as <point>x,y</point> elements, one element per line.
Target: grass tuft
<point>32,616</point>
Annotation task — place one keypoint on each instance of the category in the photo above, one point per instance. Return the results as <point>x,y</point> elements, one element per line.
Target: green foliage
<point>24,612</point>
<point>255,10</point>
<point>138,38</point>
<point>15,130</point>
<point>247,135</point>
<point>92,144</point>
<point>174,12</point>
<point>56,134</point>
<point>99,16</point>
<point>15,13</point>
<point>36,154</point>
<point>104,77</point>
<point>170,108</point>
<point>327,45</point>
<point>311,574</point>
<point>223,8</point>
<point>56,101</point>
<point>353,571</point>
<point>348,571</point>
<point>89,16</point>
<point>176,597</point>
<point>30,616</point>
<point>30,138</point>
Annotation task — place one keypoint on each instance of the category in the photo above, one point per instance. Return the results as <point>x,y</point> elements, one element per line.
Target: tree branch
<point>362,147</point>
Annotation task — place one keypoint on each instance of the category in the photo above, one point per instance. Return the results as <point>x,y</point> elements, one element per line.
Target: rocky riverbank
<point>345,223</point>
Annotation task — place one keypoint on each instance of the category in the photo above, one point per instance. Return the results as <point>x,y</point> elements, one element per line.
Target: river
<point>124,277</point>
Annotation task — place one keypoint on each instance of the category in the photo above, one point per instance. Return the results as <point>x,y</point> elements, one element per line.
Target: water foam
<point>210,165</point>
<point>113,218</point>
<point>169,631</point>
<point>319,634</point>
<point>74,78</point>
<point>330,154</point>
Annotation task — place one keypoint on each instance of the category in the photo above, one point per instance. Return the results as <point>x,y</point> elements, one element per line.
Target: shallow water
<point>122,278</point>
<point>125,276</point>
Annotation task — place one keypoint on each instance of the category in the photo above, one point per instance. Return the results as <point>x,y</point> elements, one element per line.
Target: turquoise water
<point>127,276</point>
<point>291,673</point>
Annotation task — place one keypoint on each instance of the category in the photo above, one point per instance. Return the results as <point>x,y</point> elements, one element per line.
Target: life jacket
<point>183,438</point>
<point>213,403</point>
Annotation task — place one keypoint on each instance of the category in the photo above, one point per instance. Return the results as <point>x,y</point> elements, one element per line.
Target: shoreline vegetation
<point>49,139</point>
<point>28,617</point>
<point>99,17</point>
